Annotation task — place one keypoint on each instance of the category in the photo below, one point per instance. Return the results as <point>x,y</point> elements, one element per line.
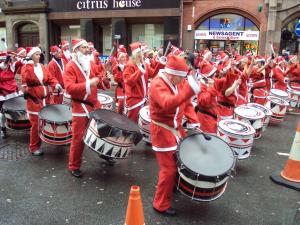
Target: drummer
<point>81,79</point>
<point>37,79</point>
<point>294,72</point>
<point>56,67</point>
<point>279,74</point>
<point>8,86</point>
<point>169,92</point>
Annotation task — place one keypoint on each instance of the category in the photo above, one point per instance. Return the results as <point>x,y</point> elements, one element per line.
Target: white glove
<point>58,87</point>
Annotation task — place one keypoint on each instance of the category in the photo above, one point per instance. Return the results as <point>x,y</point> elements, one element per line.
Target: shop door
<point>28,35</point>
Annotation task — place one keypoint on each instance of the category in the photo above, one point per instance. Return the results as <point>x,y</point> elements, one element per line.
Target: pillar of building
<point>119,30</point>
<point>171,30</point>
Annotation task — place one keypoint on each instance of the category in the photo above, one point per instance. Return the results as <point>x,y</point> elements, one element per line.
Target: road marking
<point>283,153</point>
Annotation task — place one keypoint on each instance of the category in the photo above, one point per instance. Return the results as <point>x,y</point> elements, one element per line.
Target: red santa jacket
<point>8,83</point>
<point>207,68</point>
<point>208,113</point>
<point>37,79</point>
<point>118,77</point>
<point>77,84</point>
<point>294,73</point>
<point>66,57</point>
<point>167,105</point>
<point>258,78</point>
<point>55,70</point>
<point>279,76</point>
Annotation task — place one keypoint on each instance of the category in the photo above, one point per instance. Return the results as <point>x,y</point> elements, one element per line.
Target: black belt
<point>82,101</point>
<point>35,85</point>
<point>197,109</point>
<point>252,89</point>
<point>295,81</point>
<point>33,98</point>
<point>226,104</point>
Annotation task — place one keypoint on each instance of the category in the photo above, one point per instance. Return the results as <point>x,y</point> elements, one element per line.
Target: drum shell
<point>294,97</point>
<point>67,99</point>
<point>240,144</point>
<point>114,147</point>
<point>278,107</point>
<point>198,186</point>
<point>279,94</point>
<point>144,124</point>
<point>267,111</point>
<point>106,101</point>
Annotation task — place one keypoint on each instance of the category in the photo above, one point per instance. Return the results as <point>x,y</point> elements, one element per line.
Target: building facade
<point>193,24</point>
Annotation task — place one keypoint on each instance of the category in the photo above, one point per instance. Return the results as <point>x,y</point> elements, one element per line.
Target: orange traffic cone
<point>290,175</point>
<point>135,212</point>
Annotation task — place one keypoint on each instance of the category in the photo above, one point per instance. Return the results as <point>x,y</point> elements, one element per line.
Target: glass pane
<point>204,25</point>
<point>249,25</point>
<point>29,28</point>
<point>227,22</point>
<point>151,34</point>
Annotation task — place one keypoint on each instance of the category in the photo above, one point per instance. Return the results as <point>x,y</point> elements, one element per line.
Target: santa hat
<point>135,48</point>
<point>64,43</point>
<point>279,60</point>
<point>120,54</point>
<point>31,50</point>
<point>122,49</point>
<point>3,55</point>
<point>20,51</point>
<point>292,58</point>
<point>248,53</point>
<point>91,45</point>
<point>145,48</point>
<point>259,58</point>
<point>54,49</point>
<point>206,53</point>
<point>176,66</point>
<point>78,42</point>
<point>240,58</point>
<point>177,52</point>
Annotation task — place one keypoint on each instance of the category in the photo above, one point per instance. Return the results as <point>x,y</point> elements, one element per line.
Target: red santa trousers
<point>120,107</point>
<point>166,180</point>
<point>35,141</point>
<point>79,125</point>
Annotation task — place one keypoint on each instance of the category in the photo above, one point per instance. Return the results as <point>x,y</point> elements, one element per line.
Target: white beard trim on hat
<point>84,61</point>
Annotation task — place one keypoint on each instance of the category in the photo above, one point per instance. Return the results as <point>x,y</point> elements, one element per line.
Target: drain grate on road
<point>13,152</point>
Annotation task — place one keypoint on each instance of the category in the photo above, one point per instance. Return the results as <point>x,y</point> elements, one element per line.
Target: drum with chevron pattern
<point>252,116</point>
<point>106,101</point>
<point>144,123</point>
<point>278,106</point>
<point>267,112</point>
<point>238,135</point>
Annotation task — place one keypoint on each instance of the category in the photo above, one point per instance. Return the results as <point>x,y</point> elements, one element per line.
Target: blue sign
<point>104,58</point>
<point>297,29</point>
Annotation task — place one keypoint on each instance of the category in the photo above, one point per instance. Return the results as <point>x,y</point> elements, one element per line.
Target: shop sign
<point>227,35</point>
<point>89,5</point>
<point>297,29</point>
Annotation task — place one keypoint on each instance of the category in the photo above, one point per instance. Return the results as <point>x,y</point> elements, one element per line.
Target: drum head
<point>236,127</point>
<point>279,92</point>
<point>56,113</point>
<point>249,112</point>
<point>145,113</point>
<point>205,157</point>
<point>277,101</point>
<point>15,104</point>
<point>267,111</point>
<point>105,99</point>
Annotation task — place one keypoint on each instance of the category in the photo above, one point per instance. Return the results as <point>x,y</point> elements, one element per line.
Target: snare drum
<point>15,114</point>
<point>144,123</point>
<point>252,116</point>
<point>111,134</point>
<point>106,101</point>
<point>267,111</point>
<point>238,135</point>
<point>55,124</point>
<point>204,167</point>
<point>279,94</point>
<point>67,99</point>
<point>278,106</point>
<point>294,97</point>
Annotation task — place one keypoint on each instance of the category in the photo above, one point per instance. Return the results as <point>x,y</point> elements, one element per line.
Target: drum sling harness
<point>226,104</point>
<point>197,109</point>
<point>173,130</point>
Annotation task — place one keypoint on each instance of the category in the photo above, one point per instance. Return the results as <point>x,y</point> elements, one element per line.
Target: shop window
<point>227,22</point>
<point>107,41</point>
<point>151,34</point>
<point>289,40</point>
<point>249,25</point>
<point>70,32</point>
<point>204,25</point>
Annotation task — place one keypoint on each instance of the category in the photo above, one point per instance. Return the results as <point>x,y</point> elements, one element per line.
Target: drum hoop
<point>248,134</point>
<point>47,120</point>
<point>199,174</point>
<point>251,118</point>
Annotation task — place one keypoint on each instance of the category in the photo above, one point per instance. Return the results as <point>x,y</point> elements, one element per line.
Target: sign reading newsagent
<point>92,5</point>
<point>227,35</point>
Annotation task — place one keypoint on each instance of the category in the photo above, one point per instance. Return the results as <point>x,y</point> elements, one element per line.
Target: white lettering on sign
<point>227,35</point>
<point>105,4</point>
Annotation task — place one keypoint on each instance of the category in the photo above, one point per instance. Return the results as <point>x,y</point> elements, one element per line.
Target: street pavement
<point>41,191</point>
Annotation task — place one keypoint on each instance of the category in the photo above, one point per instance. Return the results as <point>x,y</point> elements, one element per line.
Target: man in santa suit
<point>268,74</point>
<point>136,74</point>
<point>294,72</point>
<point>118,77</point>
<point>279,74</point>
<point>207,68</point>
<point>37,79</point>
<point>169,92</point>
<point>66,54</point>
<point>8,86</point>
<point>56,67</point>
<point>81,81</point>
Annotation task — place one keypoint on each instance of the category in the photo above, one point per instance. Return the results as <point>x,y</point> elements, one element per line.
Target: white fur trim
<point>193,84</point>
<point>158,149</point>
<point>206,54</point>
<point>2,57</point>
<point>176,72</point>
<point>78,44</point>
<point>33,50</point>
<point>135,51</point>
<point>21,52</point>
<point>88,86</point>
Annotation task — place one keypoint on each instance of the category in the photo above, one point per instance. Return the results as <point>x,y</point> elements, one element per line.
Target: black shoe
<point>3,133</point>
<point>38,153</point>
<point>168,212</point>
<point>76,173</point>
<point>109,160</point>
